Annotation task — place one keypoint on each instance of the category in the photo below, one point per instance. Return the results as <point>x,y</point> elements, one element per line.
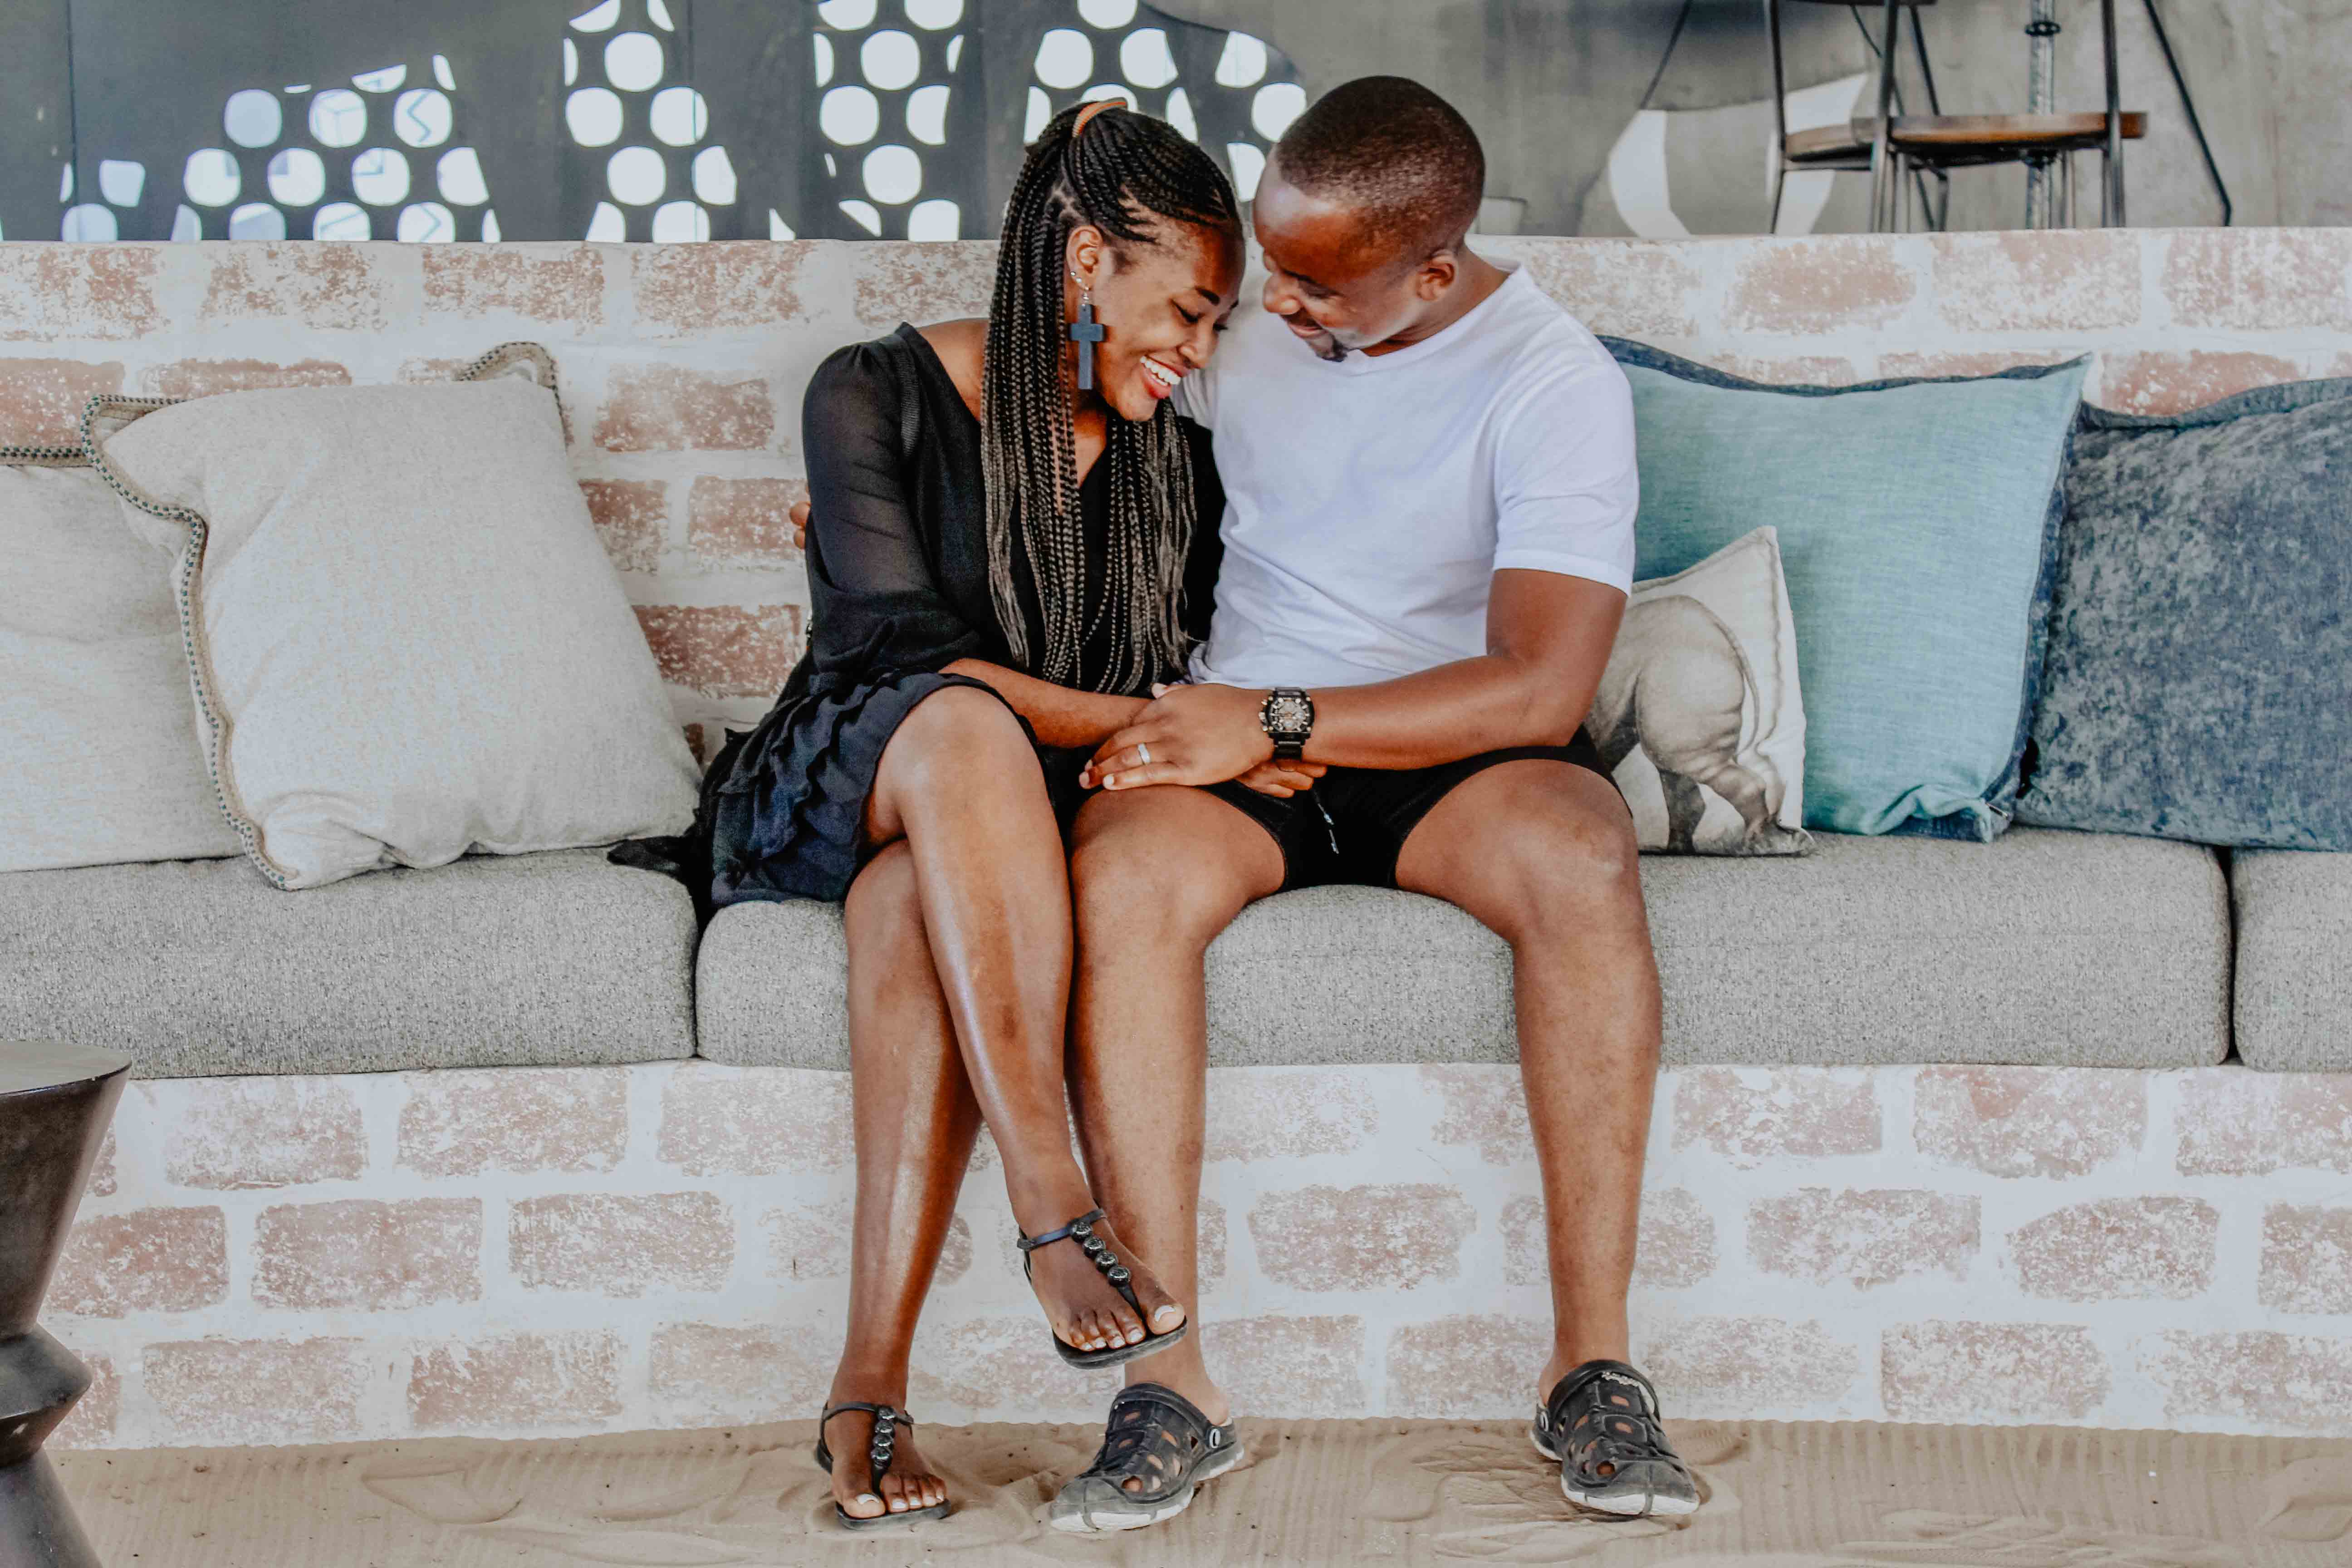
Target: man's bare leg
<point>1543,853</point>
<point>1155,875</point>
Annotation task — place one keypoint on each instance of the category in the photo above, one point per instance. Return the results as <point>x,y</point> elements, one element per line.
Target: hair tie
<point>1091,110</point>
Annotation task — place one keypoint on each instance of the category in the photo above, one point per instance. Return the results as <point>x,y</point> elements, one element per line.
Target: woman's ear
<point>1084,254</point>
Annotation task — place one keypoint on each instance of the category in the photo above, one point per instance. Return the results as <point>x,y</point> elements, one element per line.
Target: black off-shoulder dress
<point>897,570</point>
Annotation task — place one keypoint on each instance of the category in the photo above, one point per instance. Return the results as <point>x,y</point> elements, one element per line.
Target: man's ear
<point>1435,276</point>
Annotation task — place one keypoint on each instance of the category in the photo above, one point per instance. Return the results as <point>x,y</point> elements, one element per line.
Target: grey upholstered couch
<point>2043,947</point>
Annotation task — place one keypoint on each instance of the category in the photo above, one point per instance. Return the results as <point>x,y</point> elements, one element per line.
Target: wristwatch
<point>1289,717</point>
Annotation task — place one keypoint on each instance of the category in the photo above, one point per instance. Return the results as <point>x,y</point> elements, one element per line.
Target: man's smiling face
<point>1331,281</point>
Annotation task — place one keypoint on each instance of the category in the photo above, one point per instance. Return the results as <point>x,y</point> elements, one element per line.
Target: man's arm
<point>1548,641</point>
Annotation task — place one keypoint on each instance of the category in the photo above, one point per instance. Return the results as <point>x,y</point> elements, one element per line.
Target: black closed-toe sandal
<point>1158,1438</point>
<point>878,1458</point>
<point>1082,1231</point>
<point>1602,1423</point>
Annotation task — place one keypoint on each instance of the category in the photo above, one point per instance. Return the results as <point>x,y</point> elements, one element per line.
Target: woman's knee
<point>951,730</point>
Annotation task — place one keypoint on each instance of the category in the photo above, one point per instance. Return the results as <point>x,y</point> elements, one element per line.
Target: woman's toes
<point>1130,1332</point>
<point>865,1505</point>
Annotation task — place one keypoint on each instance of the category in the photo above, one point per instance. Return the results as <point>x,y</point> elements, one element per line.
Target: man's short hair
<point>1391,148</point>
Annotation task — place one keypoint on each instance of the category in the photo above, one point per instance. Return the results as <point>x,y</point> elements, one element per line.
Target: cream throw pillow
<point>1698,714</point>
<point>405,640</point>
<point>98,750</point>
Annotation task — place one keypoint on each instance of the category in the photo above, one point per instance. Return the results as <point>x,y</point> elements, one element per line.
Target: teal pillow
<point>1919,522</point>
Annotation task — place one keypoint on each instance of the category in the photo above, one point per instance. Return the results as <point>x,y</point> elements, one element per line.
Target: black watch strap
<point>1288,719</point>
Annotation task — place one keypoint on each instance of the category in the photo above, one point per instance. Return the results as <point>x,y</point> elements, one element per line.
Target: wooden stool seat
<point>1953,138</point>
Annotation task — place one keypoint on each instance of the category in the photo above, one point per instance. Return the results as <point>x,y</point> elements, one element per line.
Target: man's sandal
<point>1082,1231</point>
<point>878,1458</point>
<point>1155,1436</point>
<point>1602,1423</point>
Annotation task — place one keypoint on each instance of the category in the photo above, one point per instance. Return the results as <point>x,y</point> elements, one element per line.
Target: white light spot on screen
<point>777,227</point>
<point>637,175</point>
<point>1065,57</point>
<point>714,177</point>
<point>119,181</point>
<point>893,174</point>
<point>459,175</point>
<point>955,50</point>
<point>441,73</point>
<point>341,220</point>
<point>1244,62</point>
<point>926,115</point>
<point>1275,106</point>
<point>186,226</point>
<point>65,185</point>
<point>598,17</point>
<point>571,62</point>
<point>380,178</point>
<point>849,116</point>
<point>1144,60</point>
<point>934,219</point>
<point>658,14</point>
<point>823,47</point>
<point>1112,92</point>
<point>681,221</point>
<point>424,223</point>
<point>420,116</point>
<point>338,118</point>
<point>890,58</point>
<point>633,61</point>
<point>303,87</point>
<point>679,116</point>
<point>211,178</point>
<point>846,15</point>
<point>297,177</point>
<point>862,213</point>
<point>490,229</point>
<point>1248,164</point>
<point>830,172</point>
<point>382,80</point>
<point>593,115</point>
<point>256,220</point>
<point>91,222</point>
<point>608,226</point>
<point>1041,109</point>
<point>935,13</point>
<point>1180,115</point>
<point>252,118</point>
<point>1106,13</point>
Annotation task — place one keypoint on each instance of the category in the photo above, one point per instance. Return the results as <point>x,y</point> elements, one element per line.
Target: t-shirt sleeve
<point>1566,486</point>
<point>1196,396</point>
<point>871,586</point>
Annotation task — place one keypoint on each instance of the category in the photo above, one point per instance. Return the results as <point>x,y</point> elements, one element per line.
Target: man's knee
<point>1136,878</point>
<point>1573,863</point>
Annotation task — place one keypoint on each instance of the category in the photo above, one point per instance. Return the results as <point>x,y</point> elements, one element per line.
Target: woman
<point>1012,540</point>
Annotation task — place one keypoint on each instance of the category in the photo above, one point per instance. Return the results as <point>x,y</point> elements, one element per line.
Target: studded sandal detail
<point>1154,1435</point>
<point>1082,1231</point>
<point>1602,1423</point>
<point>886,1421</point>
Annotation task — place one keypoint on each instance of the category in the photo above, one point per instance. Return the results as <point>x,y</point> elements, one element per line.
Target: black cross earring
<point>1086,331</point>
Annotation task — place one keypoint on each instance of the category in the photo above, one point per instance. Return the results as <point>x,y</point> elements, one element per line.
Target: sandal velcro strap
<point>1602,1419</point>
<point>1157,1436</point>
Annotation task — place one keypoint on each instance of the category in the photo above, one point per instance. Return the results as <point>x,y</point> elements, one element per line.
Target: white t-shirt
<point>1369,501</point>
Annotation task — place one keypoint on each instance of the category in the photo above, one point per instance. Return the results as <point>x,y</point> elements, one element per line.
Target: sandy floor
<point>1780,1496</point>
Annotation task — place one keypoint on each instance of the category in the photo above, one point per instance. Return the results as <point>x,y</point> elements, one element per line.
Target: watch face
<point>1287,713</point>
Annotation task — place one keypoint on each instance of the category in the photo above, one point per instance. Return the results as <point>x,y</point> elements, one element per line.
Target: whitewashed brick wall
<point>532,1251</point>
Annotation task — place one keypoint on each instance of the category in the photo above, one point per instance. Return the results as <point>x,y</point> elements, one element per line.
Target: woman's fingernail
<point>1110,781</point>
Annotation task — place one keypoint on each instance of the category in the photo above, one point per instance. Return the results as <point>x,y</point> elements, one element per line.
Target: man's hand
<point>1280,779</point>
<point>1190,735</point>
<point>800,515</point>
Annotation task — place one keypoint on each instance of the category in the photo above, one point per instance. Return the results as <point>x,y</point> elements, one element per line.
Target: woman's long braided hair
<point>1130,176</point>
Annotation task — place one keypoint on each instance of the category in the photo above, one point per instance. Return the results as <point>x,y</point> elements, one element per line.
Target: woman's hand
<point>799,513</point>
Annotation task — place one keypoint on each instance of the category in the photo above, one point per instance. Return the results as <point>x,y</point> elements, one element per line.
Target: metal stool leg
<point>55,1103</point>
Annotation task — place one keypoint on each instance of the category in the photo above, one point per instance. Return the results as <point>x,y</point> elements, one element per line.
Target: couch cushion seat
<point>200,967</point>
<point>2042,947</point>
<point>2294,959</point>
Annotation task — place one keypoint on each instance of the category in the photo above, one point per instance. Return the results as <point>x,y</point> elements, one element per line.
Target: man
<point>1428,544</point>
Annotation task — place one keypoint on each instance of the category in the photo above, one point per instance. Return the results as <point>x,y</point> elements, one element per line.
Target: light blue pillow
<point>1919,522</point>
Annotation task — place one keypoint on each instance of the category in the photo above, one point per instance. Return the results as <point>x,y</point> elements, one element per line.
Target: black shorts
<point>1351,826</point>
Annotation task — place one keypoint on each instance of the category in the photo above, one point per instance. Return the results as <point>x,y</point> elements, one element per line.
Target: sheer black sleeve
<point>1208,549</point>
<point>875,597</point>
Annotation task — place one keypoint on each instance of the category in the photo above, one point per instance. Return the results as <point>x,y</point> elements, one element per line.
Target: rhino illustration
<point>1678,687</point>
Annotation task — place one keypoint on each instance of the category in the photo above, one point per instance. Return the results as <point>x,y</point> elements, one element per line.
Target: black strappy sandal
<point>878,1457</point>
<point>1602,1423</point>
<point>1082,1230</point>
<point>1156,1436</point>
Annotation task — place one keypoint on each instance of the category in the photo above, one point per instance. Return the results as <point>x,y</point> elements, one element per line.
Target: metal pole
<point>1883,130</point>
<point>2040,98</point>
<point>2196,127</point>
<point>2111,205</point>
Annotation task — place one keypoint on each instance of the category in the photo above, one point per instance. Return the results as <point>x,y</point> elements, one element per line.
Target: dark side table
<point>55,1103</point>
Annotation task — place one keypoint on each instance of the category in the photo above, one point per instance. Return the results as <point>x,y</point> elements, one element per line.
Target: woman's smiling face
<point>1160,307</point>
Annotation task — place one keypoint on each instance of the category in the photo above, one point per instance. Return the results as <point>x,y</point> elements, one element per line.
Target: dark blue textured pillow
<point>2199,680</point>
